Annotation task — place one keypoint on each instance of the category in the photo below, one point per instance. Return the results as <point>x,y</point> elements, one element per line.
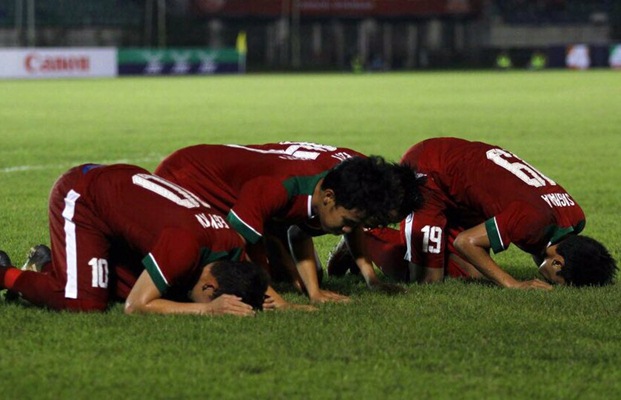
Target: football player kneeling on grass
<point>279,196</point>
<point>479,197</point>
<point>118,232</point>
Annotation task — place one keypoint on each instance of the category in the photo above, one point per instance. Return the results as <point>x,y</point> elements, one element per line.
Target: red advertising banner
<point>338,8</point>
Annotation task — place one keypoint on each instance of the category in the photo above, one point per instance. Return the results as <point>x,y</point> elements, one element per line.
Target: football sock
<point>8,275</point>
<point>44,290</point>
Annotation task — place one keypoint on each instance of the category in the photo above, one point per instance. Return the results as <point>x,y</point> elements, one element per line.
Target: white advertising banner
<point>37,63</point>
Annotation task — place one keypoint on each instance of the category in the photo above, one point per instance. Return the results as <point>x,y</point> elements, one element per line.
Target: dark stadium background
<point>327,34</point>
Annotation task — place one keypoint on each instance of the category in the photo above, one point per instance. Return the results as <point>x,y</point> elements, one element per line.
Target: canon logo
<point>36,63</point>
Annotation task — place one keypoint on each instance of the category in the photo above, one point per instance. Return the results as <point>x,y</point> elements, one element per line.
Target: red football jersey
<point>125,210</point>
<point>472,182</point>
<point>253,184</point>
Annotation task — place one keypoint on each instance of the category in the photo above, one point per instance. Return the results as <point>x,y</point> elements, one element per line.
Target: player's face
<point>339,220</point>
<point>551,265</point>
<point>336,219</point>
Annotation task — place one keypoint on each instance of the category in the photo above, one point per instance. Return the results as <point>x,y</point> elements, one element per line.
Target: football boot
<point>340,260</point>
<point>5,260</point>
<point>38,256</point>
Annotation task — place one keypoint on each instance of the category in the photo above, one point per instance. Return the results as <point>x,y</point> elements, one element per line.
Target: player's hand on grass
<point>533,284</point>
<point>230,304</point>
<point>270,304</point>
<point>324,296</point>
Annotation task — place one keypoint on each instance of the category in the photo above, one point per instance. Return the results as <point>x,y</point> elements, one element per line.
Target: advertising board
<point>35,63</point>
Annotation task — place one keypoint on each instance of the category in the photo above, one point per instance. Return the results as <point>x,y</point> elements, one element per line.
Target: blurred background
<point>369,35</point>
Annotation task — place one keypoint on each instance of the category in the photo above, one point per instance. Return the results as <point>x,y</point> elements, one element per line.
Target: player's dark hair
<point>587,262</point>
<point>242,279</point>
<point>411,182</point>
<point>384,192</point>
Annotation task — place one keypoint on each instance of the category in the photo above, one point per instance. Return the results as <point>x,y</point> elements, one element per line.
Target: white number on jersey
<point>432,239</point>
<point>294,150</point>
<point>520,168</point>
<point>169,190</point>
<point>99,272</point>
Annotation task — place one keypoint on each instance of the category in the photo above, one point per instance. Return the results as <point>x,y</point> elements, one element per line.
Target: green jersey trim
<point>303,184</point>
<point>559,233</point>
<point>244,229</point>
<point>494,235</point>
<point>155,273</point>
<point>208,256</point>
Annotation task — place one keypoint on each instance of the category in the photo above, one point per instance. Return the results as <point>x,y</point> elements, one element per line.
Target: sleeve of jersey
<point>518,224</point>
<point>425,238</point>
<point>174,255</point>
<point>258,201</point>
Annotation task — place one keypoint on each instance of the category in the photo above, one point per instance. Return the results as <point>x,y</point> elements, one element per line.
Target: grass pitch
<point>446,341</point>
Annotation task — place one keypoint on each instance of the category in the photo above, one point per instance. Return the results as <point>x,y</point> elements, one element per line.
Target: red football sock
<point>8,275</point>
<point>44,290</point>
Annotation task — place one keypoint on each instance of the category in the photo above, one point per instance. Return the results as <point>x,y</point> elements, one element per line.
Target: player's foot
<point>5,260</point>
<point>38,256</point>
<point>340,260</point>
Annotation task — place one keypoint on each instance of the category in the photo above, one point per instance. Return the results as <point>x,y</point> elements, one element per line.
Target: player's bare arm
<point>145,298</point>
<point>355,242</point>
<point>275,301</point>
<point>281,258</point>
<point>303,251</point>
<point>474,244</point>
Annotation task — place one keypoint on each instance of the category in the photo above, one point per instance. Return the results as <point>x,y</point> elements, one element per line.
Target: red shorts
<point>387,252</point>
<point>79,245</point>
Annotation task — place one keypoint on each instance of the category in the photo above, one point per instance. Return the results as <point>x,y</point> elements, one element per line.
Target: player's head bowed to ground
<point>237,278</point>
<point>578,260</point>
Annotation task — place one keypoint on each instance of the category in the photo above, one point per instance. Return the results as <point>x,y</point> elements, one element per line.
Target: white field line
<point>25,168</point>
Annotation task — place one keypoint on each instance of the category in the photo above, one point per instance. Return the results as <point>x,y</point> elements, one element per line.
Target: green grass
<point>447,341</point>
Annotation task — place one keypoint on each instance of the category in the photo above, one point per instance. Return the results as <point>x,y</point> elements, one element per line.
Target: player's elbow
<point>463,242</point>
<point>129,308</point>
<point>133,307</point>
